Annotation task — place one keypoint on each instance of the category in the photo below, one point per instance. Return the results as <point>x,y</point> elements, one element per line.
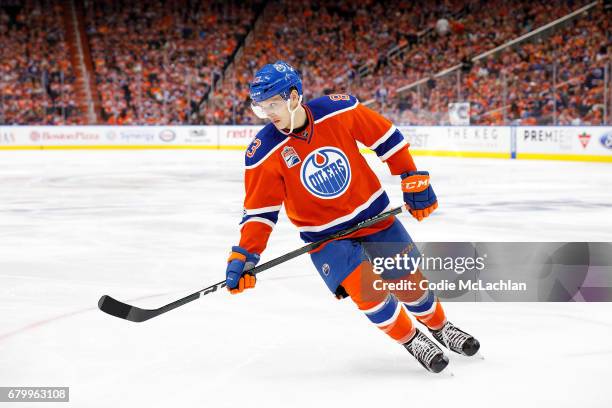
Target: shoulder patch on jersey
<point>330,105</point>
<point>263,145</point>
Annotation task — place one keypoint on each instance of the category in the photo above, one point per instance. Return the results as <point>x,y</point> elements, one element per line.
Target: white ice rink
<point>152,226</point>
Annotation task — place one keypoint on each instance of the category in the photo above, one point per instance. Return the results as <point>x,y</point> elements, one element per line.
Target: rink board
<point>574,143</point>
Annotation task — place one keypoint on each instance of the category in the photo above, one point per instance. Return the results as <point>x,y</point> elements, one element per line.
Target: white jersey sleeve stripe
<point>384,138</point>
<point>393,150</point>
<point>262,210</point>
<point>260,219</point>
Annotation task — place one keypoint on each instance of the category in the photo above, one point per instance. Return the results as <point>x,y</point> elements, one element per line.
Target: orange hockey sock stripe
<point>402,329</point>
<point>436,319</point>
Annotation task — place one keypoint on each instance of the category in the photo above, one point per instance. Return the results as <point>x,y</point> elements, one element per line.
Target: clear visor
<point>262,111</point>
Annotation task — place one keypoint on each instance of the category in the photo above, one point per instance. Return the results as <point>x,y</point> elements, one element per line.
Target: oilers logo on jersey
<point>326,172</point>
<point>325,269</point>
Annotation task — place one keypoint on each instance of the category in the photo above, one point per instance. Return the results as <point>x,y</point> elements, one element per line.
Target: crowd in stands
<point>155,60</point>
<point>482,26</point>
<point>36,75</point>
<point>558,78</point>
<point>161,62</point>
<point>336,42</point>
<point>328,42</point>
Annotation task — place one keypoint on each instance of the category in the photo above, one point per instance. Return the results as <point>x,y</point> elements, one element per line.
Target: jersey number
<point>251,151</point>
<point>339,97</point>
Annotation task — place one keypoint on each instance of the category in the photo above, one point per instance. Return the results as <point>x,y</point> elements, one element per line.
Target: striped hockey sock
<point>428,310</point>
<point>391,317</point>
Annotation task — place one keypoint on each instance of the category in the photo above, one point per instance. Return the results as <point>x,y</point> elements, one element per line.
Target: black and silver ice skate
<point>456,340</point>
<point>427,352</point>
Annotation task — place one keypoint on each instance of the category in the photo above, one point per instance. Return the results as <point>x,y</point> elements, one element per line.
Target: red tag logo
<point>584,139</point>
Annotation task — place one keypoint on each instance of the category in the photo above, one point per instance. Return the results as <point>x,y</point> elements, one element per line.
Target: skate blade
<point>447,374</point>
<point>478,356</point>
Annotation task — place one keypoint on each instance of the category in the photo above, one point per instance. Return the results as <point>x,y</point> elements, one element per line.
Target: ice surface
<point>151,226</point>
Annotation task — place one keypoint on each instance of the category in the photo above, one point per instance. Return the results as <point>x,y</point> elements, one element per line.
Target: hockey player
<point>308,160</point>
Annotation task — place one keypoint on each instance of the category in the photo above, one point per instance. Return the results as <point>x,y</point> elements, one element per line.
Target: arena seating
<point>187,62</point>
<point>36,74</point>
<point>155,61</point>
<point>557,79</point>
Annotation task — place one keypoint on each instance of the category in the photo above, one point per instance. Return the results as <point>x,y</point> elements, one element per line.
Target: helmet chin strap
<point>292,113</point>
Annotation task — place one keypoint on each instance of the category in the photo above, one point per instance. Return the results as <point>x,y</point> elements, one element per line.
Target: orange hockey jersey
<point>319,175</point>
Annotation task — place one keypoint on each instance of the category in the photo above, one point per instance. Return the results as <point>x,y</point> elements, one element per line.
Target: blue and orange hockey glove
<point>237,276</point>
<point>418,194</point>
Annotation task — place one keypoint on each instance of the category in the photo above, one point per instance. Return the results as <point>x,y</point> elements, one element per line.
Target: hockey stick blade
<point>124,311</point>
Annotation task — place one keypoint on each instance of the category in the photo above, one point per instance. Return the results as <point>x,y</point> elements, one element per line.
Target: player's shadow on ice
<point>389,368</point>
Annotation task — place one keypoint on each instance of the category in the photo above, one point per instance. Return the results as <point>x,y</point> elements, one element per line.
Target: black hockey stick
<point>122,310</point>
